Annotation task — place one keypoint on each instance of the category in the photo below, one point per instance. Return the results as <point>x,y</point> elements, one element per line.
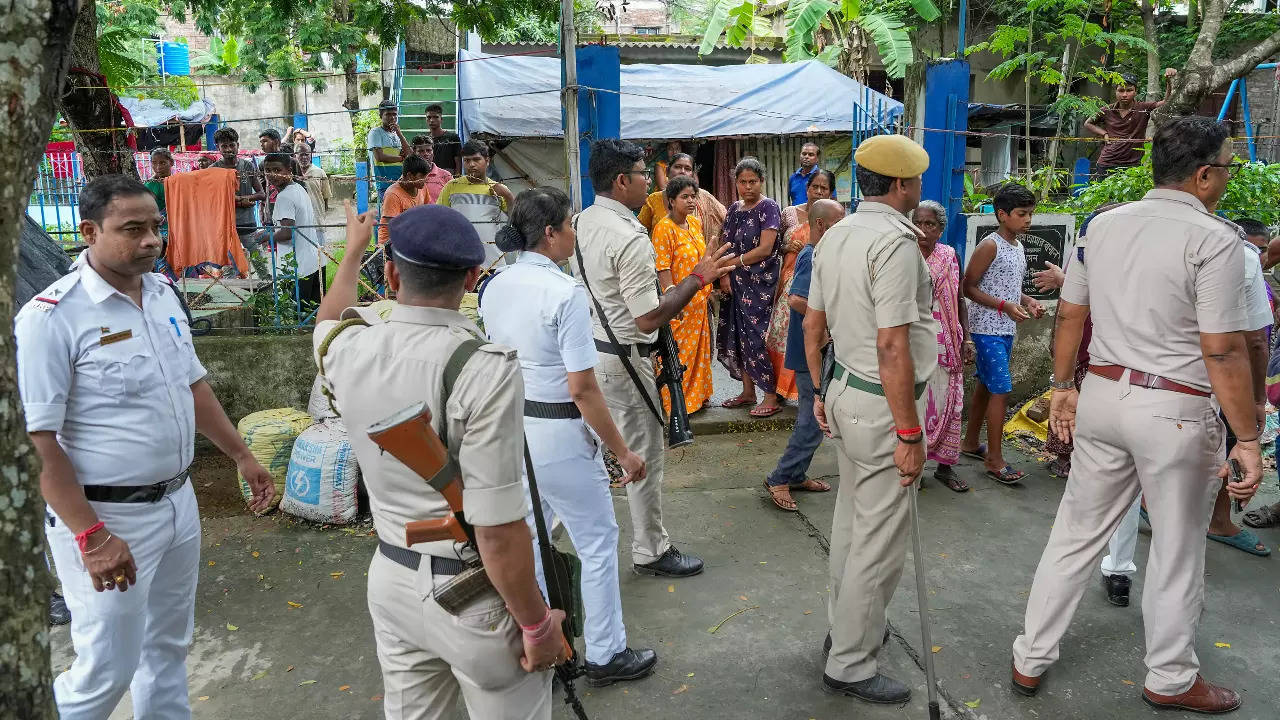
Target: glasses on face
<point>1232,167</point>
<point>646,174</point>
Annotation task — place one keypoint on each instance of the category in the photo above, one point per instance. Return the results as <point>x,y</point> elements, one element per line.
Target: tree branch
<point>1241,66</point>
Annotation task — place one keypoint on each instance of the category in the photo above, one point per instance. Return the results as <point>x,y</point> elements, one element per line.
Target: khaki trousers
<point>1169,446</point>
<point>647,438</point>
<point>428,656</point>
<point>869,533</point>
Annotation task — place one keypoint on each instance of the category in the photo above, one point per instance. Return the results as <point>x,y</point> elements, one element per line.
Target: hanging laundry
<point>202,220</point>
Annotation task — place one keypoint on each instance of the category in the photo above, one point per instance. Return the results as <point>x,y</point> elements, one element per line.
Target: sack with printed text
<point>270,435</point>
<point>323,476</point>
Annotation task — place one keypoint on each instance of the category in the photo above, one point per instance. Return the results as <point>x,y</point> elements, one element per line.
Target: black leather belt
<point>412,560</point>
<point>136,493</point>
<point>551,411</point>
<point>624,350</point>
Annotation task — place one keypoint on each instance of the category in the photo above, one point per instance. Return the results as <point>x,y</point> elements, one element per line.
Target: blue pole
<point>1226,102</point>
<point>210,128</point>
<point>362,186</point>
<point>962,15</point>
<point>1248,121</point>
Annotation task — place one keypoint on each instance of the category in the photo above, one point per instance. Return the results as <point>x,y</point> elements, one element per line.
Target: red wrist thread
<point>908,431</point>
<point>82,538</point>
<point>1001,308</point>
<point>701,280</point>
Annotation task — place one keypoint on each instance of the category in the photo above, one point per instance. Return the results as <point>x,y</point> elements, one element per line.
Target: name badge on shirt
<point>115,337</point>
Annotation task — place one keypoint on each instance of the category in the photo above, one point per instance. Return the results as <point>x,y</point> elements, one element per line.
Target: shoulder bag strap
<point>324,350</point>
<point>604,322</point>
<point>452,369</point>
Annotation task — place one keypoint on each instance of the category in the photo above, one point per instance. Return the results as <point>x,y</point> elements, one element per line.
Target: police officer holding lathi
<point>872,292</point>
<point>1166,353</point>
<point>114,395</point>
<point>543,313</point>
<point>494,647</point>
<point>615,261</point>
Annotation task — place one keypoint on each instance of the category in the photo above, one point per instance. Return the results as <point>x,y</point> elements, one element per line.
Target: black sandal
<point>946,475</point>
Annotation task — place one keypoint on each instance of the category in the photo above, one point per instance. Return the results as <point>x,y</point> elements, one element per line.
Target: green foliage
<point>126,53</point>
<point>222,57</point>
<point>1253,192</point>
<point>891,40</point>
<point>274,306</point>
<point>1239,30</point>
<point>361,124</point>
<point>177,91</point>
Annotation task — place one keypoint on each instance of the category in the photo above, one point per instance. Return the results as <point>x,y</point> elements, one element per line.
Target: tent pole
<point>569,101</point>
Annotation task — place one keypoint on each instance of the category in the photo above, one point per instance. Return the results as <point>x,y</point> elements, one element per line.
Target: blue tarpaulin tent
<point>519,97</point>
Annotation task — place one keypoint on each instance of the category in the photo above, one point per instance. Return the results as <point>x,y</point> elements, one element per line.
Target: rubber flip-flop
<point>1244,540</point>
<point>1007,475</point>
<point>760,412</point>
<point>736,402</point>
<point>1262,518</point>
<point>979,454</point>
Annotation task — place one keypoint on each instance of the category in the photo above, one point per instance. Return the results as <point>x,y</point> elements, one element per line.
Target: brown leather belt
<point>1145,380</point>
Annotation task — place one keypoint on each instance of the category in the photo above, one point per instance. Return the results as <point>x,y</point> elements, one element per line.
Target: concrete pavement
<point>285,633</point>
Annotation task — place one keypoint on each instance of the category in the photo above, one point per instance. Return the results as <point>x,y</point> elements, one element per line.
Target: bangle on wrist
<point>911,441</point>
<point>97,547</point>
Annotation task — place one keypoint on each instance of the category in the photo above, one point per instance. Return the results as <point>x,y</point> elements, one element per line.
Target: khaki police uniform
<point>868,274</point>
<point>427,655</point>
<point>620,266</point>
<point>1165,443</point>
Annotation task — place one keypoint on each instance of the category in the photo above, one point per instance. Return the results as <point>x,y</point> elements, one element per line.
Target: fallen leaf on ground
<point>212,563</point>
<point>671,588</point>
<point>203,697</point>
<point>336,575</point>
<point>808,612</point>
<point>344,688</point>
<point>942,555</point>
<point>764,562</point>
<point>289,669</point>
<point>260,675</point>
<point>733,507</point>
<point>689,675</point>
<point>256,553</point>
<point>973,703</point>
<point>937,648</point>
<point>1128,682</point>
<point>680,689</point>
<point>1222,645</point>
<point>232,628</point>
<point>293,604</point>
<point>378,698</point>
<point>743,598</point>
<point>306,682</point>
<point>261,578</point>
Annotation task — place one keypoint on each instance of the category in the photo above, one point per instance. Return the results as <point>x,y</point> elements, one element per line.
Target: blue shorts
<point>993,362</point>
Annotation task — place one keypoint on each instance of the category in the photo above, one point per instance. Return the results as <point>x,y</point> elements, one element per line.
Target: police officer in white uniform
<point>497,648</point>
<point>543,313</point>
<point>114,394</point>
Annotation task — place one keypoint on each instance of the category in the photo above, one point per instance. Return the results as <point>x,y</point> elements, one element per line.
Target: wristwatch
<point>1064,385</point>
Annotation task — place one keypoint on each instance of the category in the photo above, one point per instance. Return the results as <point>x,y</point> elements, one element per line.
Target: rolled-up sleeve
<point>573,333</point>
<point>1219,282</point>
<point>46,365</point>
<point>637,277</point>
<point>895,280</point>
<point>814,299</point>
<point>490,397</point>
<point>1075,289</point>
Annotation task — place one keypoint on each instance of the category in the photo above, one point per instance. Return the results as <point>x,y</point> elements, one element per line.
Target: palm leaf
<point>926,10</point>
<point>830,55</point>
<point>892,42</point>
<point>741,23</point>
<point>803,19</point>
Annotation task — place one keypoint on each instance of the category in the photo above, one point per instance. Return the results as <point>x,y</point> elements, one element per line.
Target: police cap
<point>436,236</point>
<point>896,156</point>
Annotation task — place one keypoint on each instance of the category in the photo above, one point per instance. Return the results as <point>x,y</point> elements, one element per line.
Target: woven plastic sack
<point>323,476</point>
<point>270,435</point>
<point>318,406</point>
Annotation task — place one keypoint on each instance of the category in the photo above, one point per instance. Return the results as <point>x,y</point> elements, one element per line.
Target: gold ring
<point>120,579</point>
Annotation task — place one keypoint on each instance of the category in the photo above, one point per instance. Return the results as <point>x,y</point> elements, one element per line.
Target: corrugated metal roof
<point>689,42</point>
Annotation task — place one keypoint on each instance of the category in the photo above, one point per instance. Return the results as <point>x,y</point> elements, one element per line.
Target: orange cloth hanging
<point>202,220</point>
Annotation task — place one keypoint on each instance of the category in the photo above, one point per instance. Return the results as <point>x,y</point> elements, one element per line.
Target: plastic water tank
<point>173,58</point>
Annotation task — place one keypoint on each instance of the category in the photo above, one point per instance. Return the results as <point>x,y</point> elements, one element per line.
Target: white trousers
<point>134,640</point>
<point>574,486</point>
<point>1123,544</point>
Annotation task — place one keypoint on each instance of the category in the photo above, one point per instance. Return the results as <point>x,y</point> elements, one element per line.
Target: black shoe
<point>59,614</point>
<point>673,563</point>
<point>626,665</point>
<point>826,644</point>
<point>877,689</point>
<point>1117,589</point>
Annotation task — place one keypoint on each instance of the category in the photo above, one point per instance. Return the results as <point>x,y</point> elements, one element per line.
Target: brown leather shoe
<point>1025,684</point>
<point>1202,697</point>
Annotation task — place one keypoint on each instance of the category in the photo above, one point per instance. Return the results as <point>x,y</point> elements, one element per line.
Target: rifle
<point>671,376</point>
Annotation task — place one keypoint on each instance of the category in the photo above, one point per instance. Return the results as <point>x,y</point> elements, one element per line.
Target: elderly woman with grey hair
<point>945,392</point>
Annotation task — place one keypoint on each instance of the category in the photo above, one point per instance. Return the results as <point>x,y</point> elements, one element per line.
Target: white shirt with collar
<point>543,313</point>
<point>112,379</point>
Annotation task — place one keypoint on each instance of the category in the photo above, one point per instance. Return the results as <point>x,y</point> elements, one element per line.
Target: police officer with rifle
<point>462,614</point>
<point>615,261</point>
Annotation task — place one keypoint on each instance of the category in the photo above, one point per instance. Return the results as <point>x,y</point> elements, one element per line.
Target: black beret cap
<point>436,236</point>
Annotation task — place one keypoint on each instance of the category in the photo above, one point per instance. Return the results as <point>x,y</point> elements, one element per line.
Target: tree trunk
<point>1154,89</point>
<point>1052,162</point>
<point>90,109</point>
<point>342,16</point>
<point>34,56</point>
<point>1202,74</point>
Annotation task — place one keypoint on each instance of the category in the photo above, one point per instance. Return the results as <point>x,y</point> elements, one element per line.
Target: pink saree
<point>945,393</point>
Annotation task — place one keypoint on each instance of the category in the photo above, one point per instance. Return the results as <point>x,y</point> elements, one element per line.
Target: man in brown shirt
<point>1123,125</point>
